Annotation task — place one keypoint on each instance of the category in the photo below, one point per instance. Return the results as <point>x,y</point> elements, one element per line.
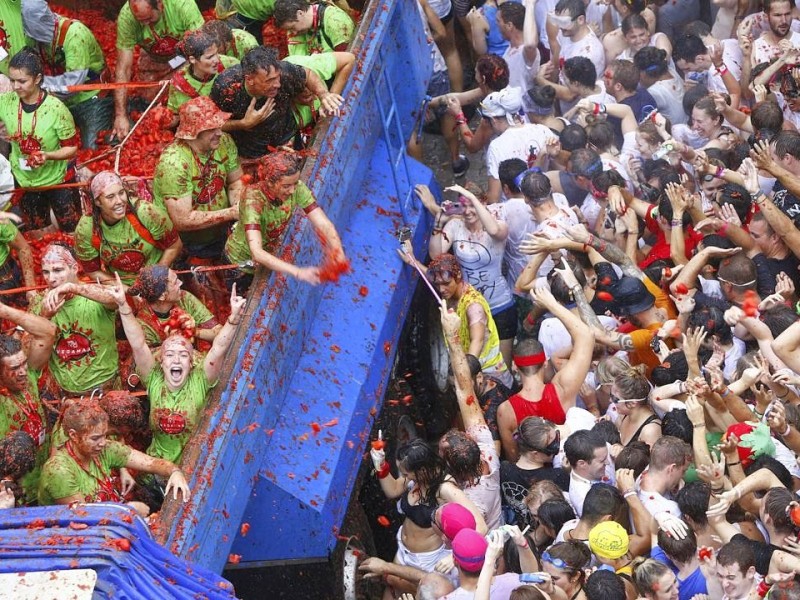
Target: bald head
<point>433,586</point>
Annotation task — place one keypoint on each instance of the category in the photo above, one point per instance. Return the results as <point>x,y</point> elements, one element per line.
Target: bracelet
<point>724,392</point>
<point>628,494</point>
<point>722,70</point>
<point>525,547</point>
<point>599,109</point>
<point>733,464</point>
<point>602,247</point>
<point>718,490</point>
<point>763,588</point>
<point>130,312</point>
<point>383,472</point>
<point>718,173</point>
<point>699,426</point>
<point>758,195</point>
<point>788,430</point>
<point>590,241</point>
<point>722,230</point>
<point>232,323</point>
<point>676,223</point>
<point>784,396</point>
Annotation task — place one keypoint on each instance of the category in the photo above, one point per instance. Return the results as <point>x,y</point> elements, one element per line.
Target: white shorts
<point>425,561</point>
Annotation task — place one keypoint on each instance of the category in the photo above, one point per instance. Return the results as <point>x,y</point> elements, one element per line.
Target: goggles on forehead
<point>559,20</point>
<point>441,276</point>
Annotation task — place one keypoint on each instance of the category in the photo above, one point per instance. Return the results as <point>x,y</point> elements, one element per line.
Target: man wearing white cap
<point>71,56</point>
<point>515,138</point>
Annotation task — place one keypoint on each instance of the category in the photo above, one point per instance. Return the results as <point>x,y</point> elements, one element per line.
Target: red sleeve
<point>310,207</point>
<point>650,222</point>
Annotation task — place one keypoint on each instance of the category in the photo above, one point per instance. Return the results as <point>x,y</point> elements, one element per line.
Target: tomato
<point>605,296</point>
<point>681,288</point>
<point>383,521</point>
<point>378,445</point>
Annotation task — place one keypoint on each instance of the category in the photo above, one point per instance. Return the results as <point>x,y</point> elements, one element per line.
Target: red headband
<point>531,360</point>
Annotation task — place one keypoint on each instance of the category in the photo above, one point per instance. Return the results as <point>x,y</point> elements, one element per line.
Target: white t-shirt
<point>731,58</point>
<point>654,502</point>
<point>764,52</point>
<point>486,493</point>
<point>481,258</point>
<point>519,218</point>
<point>555,226</point>
<point>589,46</point>
<point>527,142</point>
<point>501,588</point>
<point>668,94</point>
<point>520,73</point>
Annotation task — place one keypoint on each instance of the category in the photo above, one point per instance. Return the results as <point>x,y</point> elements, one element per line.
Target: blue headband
<point>518,179</point>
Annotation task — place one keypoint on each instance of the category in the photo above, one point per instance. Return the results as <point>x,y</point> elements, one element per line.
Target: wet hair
<point>664,206</point>
<point>688,47</point>
<point>9,346</point>
<point>600,134</point>
<point>680,550</point>
<point>632,384</point>
<point>585,162</point>
<point>691,97</point>
<point>706,104</point>
<point>698,28</point>
<point>602,500</point>
<point>555,513</point>
<point>572,138</point>
<point>636,456</point>
<point>779,318</point>
<point>576,555</point>
<point>713,319</point>
<point>607,431</point>
<point>151,283</point>
<point>768,4</point>
<point>527,592</point>
<point>652,61</point>
<point>581,445</point>
<point>738,197</point>
<point>559,289</point>
<point>649,132</point>
<point>625,73</point>
<point>513,13</point>
<point>542,491</point>
<point>737,552</point>
<point>669,450</point>
<point>536,188</point>
<point>123,409</point>
<point>646,573</point>
<point>494,70</point>
<point>677,424</point>
<point>532,433</point>
<point>740,271</point>
<point>509,170</point>
<point>785,590</point>
<point>772,464</point>
<point>775,502</point>
<point>82,415</point>
<point>767,115</point>
<point>542,95</point>
<point>633,21</point>
<point>219,30</point>
<point>260,58</point>
<point>608,369</point>
<point>462,457</point>
<point>285,11</point>
<point>787,142</point>
<point>580,70</point>
<point>442,263</point>
<point>526,347</point>
<point>602,585</point>
<point>693,499</point>
<point>17,454</point>
<point>673,368</point>
<point>575,8</point>
<point>419,458</point>
<point>196,43</point>
<point>29,61</point>
<point>276,165</point>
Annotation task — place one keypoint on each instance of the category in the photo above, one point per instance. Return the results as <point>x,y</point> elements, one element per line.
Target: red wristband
<point>383,472</point>
<point>763,588</point>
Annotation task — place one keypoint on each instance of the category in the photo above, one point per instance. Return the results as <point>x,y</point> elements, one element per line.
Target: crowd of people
<point>106,362</point>
<point>619,300</point>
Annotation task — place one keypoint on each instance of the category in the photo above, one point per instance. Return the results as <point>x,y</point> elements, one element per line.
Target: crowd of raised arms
<point>619,301</point>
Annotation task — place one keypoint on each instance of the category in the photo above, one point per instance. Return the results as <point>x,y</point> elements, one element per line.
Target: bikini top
<point>420,514</point>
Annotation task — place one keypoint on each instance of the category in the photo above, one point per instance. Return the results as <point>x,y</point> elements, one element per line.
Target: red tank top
<point>549,407</point>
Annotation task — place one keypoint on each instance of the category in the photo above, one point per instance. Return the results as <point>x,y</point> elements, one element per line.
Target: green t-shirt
<point>25,412</point>
<point>183,86</point>
<point>241,43</point>
<point>324,65</point>
<point>256,211</point>
<point>79,51</point>
<point>159,40</point>
<point>12,35</point>
<point>258,10</point>
<point>180,173</point>
<point>62,477</point>
<point>122,248</point>
<point>174,415</point>
<point>54,124</point>
<point>8,233</point>
<point>85,350</point>
<point>189,303</point>
<point>337,29</point>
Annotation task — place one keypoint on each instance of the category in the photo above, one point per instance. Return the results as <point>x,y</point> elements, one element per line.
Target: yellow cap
<point>608,540</point>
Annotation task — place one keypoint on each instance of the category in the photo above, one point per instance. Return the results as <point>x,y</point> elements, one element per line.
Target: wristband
<point>763,588</point>
<point>722,70</point>
<point>232,323</point>
<point>628,494</point>
<point>599,109</point>
<point>788,430</point>
<point>722,230</point>
<point>733,464</point>
<point>724,392</point>
<point>718,173</point>
<point>130,312</point>
<point>699,426</point>
<point>383,472</point>
<point>676,223</point>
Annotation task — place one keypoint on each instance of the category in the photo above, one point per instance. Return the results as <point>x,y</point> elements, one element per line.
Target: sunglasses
<point>617,400</point>
<point>442,277</point>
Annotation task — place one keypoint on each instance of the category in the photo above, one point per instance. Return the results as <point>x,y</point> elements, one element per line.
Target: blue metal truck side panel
<point>317,357</point>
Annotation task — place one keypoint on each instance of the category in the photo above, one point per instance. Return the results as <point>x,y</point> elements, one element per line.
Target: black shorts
<point>34,208</point>
<point>506,322</point>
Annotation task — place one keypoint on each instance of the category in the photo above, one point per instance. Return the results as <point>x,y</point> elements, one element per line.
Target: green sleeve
<point>194,307</point>
<point>323,64</point>
<point>303,196</point>
<point>81,50</point>
<point>156,221</point>
<point>172,178</point>
<point>65,124</point>
<point>189,15</point>
<point>115,455</point>
<point>338,26</point>
<point>228,61</point>
<point>229,153</point>
<point>176,99</point>
<point>60,479</point>
<point>8,232</point>
<point>128,29</point>
<point>84,249</point>
<point>250,208</point>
